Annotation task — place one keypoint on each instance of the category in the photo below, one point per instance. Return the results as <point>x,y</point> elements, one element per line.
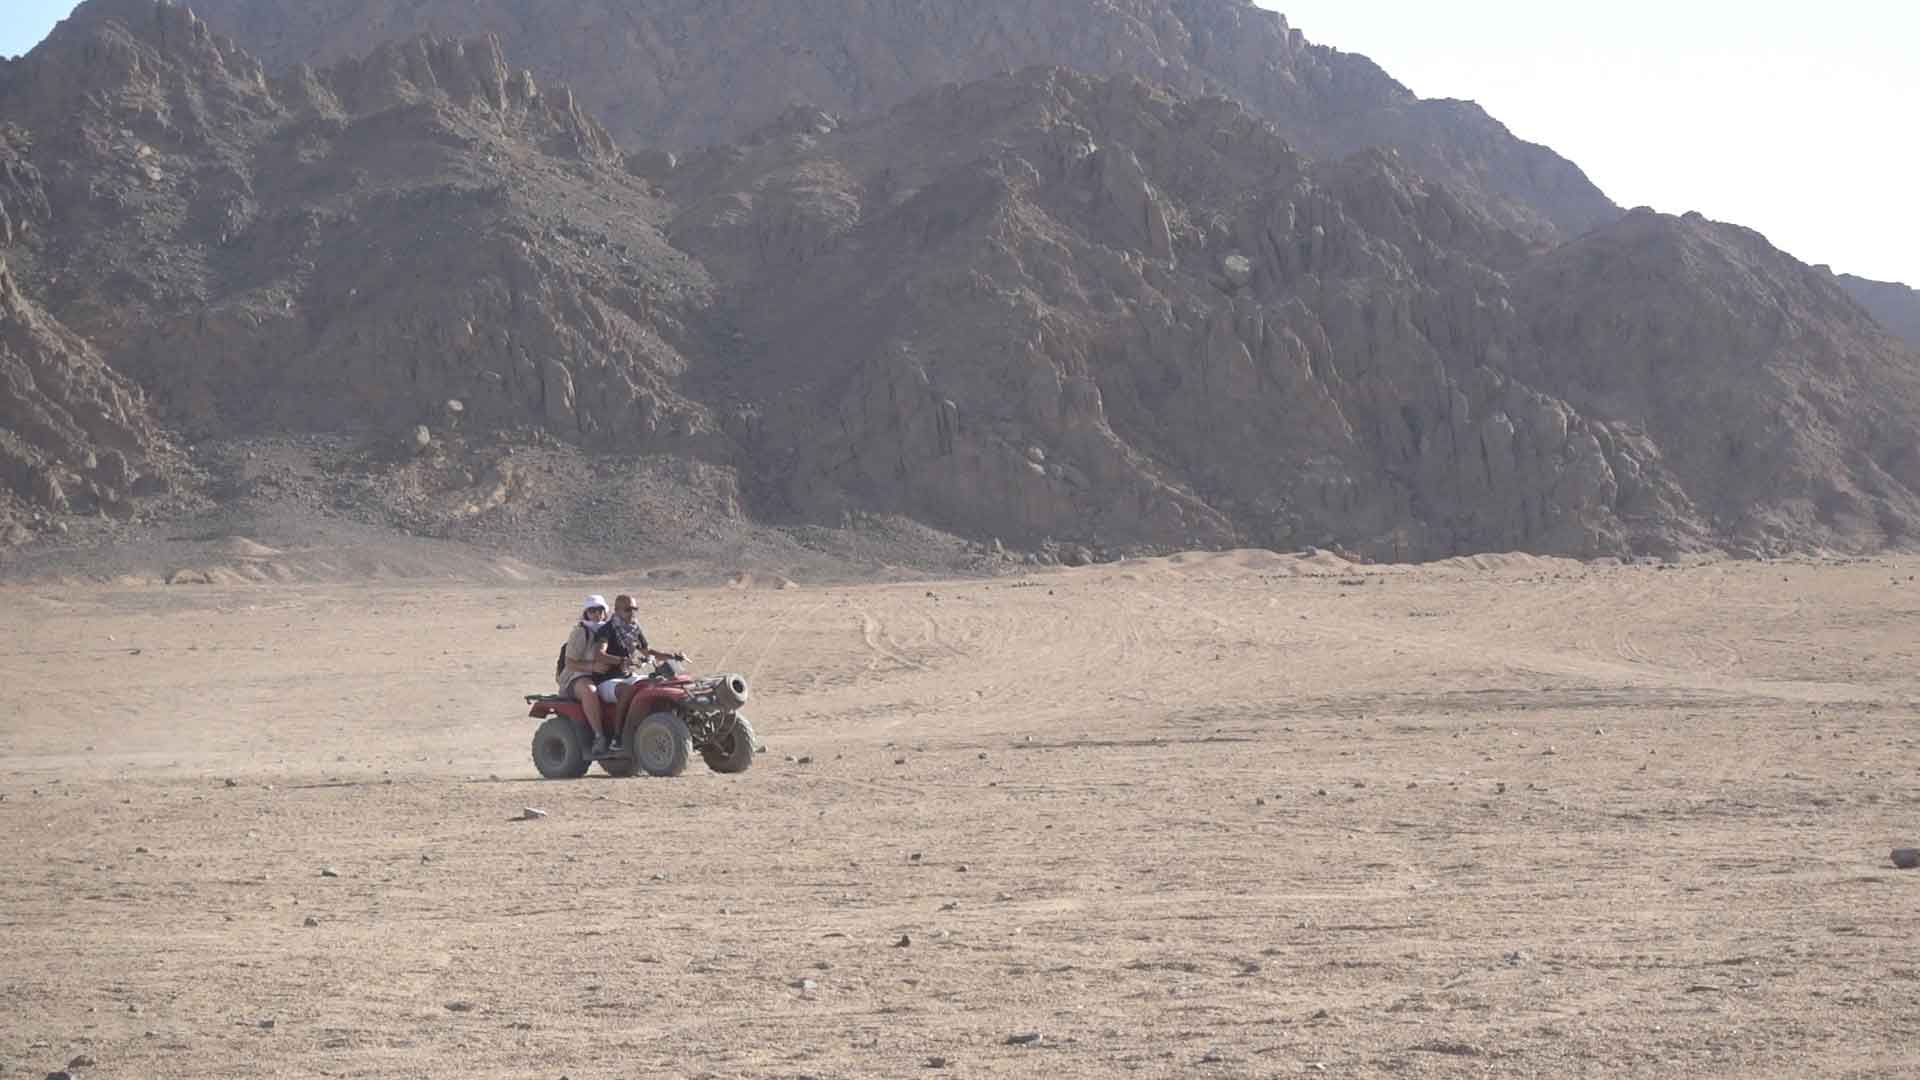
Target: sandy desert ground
<point>1239,815</point>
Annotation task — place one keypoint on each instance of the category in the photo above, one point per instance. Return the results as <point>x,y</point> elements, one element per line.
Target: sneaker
<point>599,748</point>
<point>614,748</point>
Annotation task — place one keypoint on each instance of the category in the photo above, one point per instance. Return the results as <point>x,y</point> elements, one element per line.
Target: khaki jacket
<point>580,648</point>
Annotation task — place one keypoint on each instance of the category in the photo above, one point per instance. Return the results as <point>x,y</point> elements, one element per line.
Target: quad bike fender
<point>541,706</point>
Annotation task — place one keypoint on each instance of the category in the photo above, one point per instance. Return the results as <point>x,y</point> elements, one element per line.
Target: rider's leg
<point>610,691</point>
<point>589,699</point>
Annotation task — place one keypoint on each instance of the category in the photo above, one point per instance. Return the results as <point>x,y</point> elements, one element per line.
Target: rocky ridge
<point>680,74</point>
<point>1896,306</point>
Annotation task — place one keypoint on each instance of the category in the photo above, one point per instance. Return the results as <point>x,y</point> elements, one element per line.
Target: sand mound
<point>240,547</point>
<point>749,580</point>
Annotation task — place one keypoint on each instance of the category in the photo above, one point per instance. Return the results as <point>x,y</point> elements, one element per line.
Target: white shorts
<point>610,690</point>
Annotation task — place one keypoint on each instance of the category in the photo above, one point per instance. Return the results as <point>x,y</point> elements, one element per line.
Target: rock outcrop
<point>1893,305</point>
<point>680,74</point>
<point>351,247</point>
<point>74,436</point>
<point>1783,412</point>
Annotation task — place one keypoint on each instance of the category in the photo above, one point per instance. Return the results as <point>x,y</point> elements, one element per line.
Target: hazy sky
<point>1797,120</point>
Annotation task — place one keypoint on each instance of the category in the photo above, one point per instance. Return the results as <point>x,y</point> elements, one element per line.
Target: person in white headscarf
<point>580,670</point>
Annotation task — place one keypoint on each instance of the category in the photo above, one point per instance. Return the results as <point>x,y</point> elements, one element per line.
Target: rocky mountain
<point>1086,305</point>
<point>1047,307</point>
<point>75,436</point>
<point>1896,306</point>
<point>680,74</point>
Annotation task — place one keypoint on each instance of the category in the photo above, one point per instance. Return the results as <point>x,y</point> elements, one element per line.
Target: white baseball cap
<point>594,601</point>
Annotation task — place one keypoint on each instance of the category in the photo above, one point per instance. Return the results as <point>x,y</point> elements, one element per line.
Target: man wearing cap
<point>580,668</point>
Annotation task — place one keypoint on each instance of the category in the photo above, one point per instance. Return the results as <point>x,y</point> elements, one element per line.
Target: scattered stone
<point>311,922</point>
<point>460,1006</point>
<point>504,626</point>
<point>328,871</point>
<point>531,813</point>
<point>60,1075</point>
<point>1003,897</point>
<point>903,942</point>
<point>1450,1048</point>
<point>231,782</point>
<point>951,905</point>
<point>915,857</point>
<point>266,1025</point>
<point>936,1062</point>
<point>1906,858</point>
<point>899,761</point>
<point>1259,800</point>
<point>961,869</point>
<point>805,759</point>
<point>139,850</point>
<point>1023,1038</point>
<point>804,985</point>
<point>422,438</point>
<point>1549,752</point>
<point>1237,268</point>
<point>1211,1057</point>
<point>81,1061</point>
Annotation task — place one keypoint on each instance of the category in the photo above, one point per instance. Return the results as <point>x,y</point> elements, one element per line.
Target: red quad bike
<point>662,720</point>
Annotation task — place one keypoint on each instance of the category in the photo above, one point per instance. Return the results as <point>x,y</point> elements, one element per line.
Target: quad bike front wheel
<point>557,750</point>
<point>731,752</point>
<point>662,744</point>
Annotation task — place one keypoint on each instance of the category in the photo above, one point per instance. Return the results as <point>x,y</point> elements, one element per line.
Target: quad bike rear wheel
<point>731,752</point>
<point>662,744</point>
<point>558,751</point>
